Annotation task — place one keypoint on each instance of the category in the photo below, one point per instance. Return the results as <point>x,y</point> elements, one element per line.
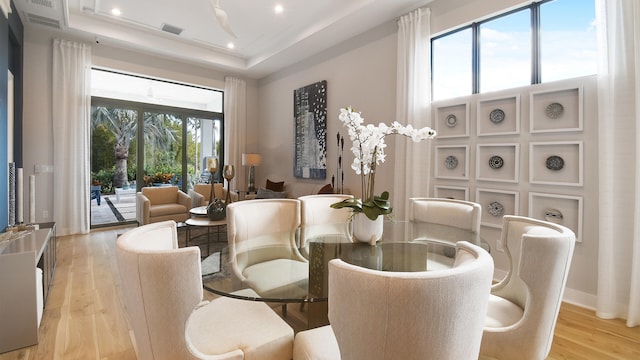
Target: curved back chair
<point>378,315</point>
<point>459,213</point>
<point>523,307</point>
<point>162,292</point>
<point>318,218</point>
<point>262,245</point>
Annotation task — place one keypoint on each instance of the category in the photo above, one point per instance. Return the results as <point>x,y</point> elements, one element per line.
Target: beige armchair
<point>523,307</point>
<point>154,204</point>
<point>201,193</point>
<point>424,315</point>
<point>166,311</point>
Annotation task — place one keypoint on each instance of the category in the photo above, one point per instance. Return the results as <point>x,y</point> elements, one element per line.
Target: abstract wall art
<point>310,117</point>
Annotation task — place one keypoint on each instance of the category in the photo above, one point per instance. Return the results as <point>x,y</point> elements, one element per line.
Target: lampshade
<point>251,159</point>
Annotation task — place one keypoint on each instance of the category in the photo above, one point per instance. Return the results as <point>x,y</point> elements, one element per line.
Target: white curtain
<point>619,160</point>
<point>71,109</point>
<point>235,127</point>
<point>413,160</point>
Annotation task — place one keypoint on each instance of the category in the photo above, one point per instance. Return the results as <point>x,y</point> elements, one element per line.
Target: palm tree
<point>123,124</point>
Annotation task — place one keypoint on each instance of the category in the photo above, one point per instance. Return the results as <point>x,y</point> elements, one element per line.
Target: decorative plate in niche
<point>554,110</point>
<point>496,162</point>
<point>451,162</point>
<point>496,116</point>
<point>495,208</point>
<point>451,120</point>
<point>555,162</point>
<point>553,215</point>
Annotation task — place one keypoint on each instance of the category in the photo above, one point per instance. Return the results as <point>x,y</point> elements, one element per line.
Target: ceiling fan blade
<point>222,17</point>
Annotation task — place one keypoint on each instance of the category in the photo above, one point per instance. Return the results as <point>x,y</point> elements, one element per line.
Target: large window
<point>545,41</point>
<point>567,39</point>
<point>452,75</point>
<point>505,51</point>
<point>149,132</point>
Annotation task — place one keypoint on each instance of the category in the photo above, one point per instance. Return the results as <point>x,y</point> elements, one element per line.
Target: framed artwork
<point>556,163</point>
<point>310,117</point>
<point>560,209</point>
<point>498,162</point>
<point>499,116</point>
<point>495,204</point>
<point>556,110</point>
<point>452,162</point>
<point>452,120</point>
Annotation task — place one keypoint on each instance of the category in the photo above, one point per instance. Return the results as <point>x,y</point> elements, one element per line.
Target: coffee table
<point>199,218</point>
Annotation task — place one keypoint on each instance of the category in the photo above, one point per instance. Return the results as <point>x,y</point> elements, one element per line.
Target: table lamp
<point>251,160</point>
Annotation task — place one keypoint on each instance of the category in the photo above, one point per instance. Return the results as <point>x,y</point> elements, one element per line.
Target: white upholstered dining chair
<point>403,315</point>
<point>318,218</point>
<point>163,298</point>
<point>458,213</point>
<point>263,251</point>
<point>523,307</point>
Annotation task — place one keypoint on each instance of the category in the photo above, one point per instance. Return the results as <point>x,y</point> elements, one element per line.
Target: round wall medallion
<point>554,162</point>
<point>451,120</point>
<point>495,208</point>
<point>496,116</point>
<point>553,215</point>
<point>496,162</point>
<point>554,110</point>
<point>451,162</point>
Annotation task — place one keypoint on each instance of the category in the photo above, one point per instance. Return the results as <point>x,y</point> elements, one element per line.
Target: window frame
<point>536,63</point>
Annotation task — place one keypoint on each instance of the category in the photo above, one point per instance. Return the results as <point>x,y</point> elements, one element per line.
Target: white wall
<point>358,75</point>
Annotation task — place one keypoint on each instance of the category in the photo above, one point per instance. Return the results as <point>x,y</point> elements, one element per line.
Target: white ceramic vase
<point>367,230</point>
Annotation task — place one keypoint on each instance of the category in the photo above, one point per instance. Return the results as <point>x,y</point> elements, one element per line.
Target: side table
<point>242,194</point>
<point>199,218</point>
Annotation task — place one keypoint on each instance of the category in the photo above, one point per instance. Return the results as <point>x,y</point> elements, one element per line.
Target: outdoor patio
<point>112,211</point>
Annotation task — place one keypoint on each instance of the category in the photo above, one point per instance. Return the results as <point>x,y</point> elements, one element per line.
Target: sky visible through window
<point>568,49</point>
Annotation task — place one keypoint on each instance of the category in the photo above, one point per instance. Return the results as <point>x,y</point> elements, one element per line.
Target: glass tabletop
<point>302,277</point>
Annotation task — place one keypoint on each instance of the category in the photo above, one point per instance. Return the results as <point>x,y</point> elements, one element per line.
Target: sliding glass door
<point>113,163</point>
<point>162,139</point>
<point>205,144</point>
<point>136,145</point>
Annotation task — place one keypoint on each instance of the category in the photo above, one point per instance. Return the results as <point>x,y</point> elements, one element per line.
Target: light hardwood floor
<point>84,317</point>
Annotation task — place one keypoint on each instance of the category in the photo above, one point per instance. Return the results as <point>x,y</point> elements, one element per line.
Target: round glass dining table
<point>405,247</point>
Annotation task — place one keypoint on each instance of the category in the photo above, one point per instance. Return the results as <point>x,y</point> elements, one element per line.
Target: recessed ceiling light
<point>230,45</point>
<point>278,9</point>
<point>116,12</point>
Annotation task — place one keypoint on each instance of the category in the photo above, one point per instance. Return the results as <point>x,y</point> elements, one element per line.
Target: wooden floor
<point>84,317</point>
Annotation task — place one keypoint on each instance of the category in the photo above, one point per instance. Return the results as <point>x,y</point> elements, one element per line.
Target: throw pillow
<point>327,189</point>
<point>269,194</point>
<point>275,186</point>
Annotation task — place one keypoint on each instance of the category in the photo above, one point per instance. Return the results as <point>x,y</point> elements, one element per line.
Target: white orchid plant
<point>368,148</point>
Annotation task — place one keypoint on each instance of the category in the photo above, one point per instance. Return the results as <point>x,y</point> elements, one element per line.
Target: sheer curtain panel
<point>619,160</point>
<point>71,109</point>
<point>235,125</point>
<point>413,160</point>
